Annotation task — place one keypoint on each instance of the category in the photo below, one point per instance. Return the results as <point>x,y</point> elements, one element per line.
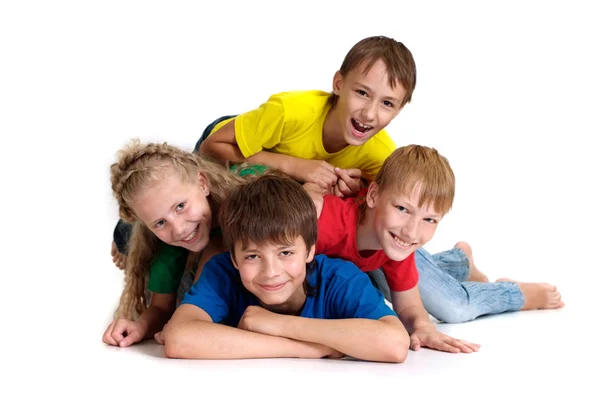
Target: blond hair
<point>413,166</point>
<point>397,58</point>
<point>138,166</point>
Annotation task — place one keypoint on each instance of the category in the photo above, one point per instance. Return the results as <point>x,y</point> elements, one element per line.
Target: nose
<point>409,231</point>
<point>369,111</point>
<point>269,267</point>
<point>178,225</point>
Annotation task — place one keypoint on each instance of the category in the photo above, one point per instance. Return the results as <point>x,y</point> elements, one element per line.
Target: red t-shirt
<point>337,238</point>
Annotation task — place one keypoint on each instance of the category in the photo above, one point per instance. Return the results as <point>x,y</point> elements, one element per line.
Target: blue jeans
<point>446,294</point>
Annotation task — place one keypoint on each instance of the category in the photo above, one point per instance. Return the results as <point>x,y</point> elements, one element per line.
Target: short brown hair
<point>398,59</point>
<point>414,165</point>
<point>273,208</point>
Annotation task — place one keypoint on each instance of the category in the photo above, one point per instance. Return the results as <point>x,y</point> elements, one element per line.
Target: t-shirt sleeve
<point>260,128</point>
<point>213,291</point>
<point>167,269</point>
<point>356,297</point>
<point>401,275</point>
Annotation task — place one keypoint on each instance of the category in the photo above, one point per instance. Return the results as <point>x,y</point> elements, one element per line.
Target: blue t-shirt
<point>343,291</point>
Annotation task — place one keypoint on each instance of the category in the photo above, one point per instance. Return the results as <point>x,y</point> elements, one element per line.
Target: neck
<point>292,306</point>
<point>333,136</point>
<point>365,233</point>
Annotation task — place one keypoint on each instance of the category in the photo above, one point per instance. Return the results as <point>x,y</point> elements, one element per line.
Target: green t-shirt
<point>169,264</point>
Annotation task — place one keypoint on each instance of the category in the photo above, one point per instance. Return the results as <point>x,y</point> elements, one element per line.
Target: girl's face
<point>176,211</point>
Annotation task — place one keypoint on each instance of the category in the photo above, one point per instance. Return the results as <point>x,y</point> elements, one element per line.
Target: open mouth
<point>191,237</point>
<point>402,244</point>
<point>360,129</point>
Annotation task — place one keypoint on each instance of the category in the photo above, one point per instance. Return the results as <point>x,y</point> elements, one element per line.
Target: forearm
<point>413,317</point>
<point>222,151</point>
<point>383,340</point>
<point>280,162</point>
<point>207,340</point>
<point>153,319</point>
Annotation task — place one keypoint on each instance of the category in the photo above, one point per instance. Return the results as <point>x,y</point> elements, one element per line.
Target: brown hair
<point>413,165</point>
<point>398,59</point>
<point>270,209</point>
<point>137,166</point>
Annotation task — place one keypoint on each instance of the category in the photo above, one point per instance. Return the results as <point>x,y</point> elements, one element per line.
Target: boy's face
<point>367,103</point>
<point>275,272</point>
<point>400,225</point>
<point>176,211</point>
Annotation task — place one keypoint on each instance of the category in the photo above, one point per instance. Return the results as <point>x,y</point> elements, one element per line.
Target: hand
<point>434,339</point>
<point>348,182</point>
<point>118,258</point>
<point>123,332</point>
<point>260,320</point>
<point>317,171</point>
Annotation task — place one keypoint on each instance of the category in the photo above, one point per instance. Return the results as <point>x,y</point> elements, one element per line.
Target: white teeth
<point>191,236</point>
<point>401,243</point>
<point>363,125</point>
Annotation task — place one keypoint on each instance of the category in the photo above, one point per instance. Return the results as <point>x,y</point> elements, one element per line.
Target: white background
<point>508,91</point>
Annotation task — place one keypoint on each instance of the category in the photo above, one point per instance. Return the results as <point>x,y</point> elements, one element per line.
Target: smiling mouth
<point>360,128</point>
<point>401,243</point>
<point>272,288</point>
<point>190,238</point>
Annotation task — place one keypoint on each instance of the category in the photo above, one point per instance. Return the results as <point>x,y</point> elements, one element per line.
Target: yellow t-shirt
<point>292,123</point>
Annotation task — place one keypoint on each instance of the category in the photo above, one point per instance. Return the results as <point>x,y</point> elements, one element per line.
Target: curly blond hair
<point>138,166</point>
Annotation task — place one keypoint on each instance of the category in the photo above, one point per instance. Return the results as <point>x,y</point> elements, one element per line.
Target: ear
<point>338,81</point>
<point>372,194</point>
<point>203,183</point>
<point>233,261</point>
<point>311,254</point>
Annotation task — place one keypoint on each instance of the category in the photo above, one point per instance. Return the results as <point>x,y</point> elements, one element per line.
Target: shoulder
<point>383,141</point>
<point>336,269</point>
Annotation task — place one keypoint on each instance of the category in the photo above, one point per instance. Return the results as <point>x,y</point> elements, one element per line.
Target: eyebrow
<point>370,90</point>
<point>256,250</point>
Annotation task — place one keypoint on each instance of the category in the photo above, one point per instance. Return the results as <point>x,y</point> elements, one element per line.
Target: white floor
<point>508,92</point>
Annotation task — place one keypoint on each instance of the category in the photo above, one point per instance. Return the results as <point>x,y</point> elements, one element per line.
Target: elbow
<point>395,351</point>
<point>396,346</point>
<point>174,347</point>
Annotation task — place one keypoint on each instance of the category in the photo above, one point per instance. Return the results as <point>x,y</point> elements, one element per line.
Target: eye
<point>286,253</point>
<point>251,257</point>
<point>402,209</point>
<point>180,206</point>
<point>361,92</point>
<point>159,224</point>
<point>388,104</point>
<point>430,220</point>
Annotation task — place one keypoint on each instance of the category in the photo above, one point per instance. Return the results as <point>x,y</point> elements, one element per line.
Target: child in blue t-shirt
<point>269,296</point>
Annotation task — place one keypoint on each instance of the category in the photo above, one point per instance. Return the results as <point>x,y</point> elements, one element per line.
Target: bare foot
<point>475,275</point>
<point>538,295</point>
<point>118,258</point>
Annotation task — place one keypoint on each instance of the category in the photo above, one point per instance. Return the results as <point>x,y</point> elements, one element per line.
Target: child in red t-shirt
<point>386,223</point>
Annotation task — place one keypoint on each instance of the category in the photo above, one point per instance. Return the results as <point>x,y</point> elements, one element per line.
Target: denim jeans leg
<point>449,300</point>
<point>454,262</point>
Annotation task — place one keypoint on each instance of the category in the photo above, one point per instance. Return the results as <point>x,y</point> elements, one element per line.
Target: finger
<point>131,338</point>
<point>472,346</point>
<point>352,182</point>
<point>415,343</point>
<point>330,177</point>
<point>338,192</point>
<point>119,330</point>
<point>113,249</point>
<point>343,187</point>
<point>454,345</point>
<point>107,337</point>
<point>160,339</point>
